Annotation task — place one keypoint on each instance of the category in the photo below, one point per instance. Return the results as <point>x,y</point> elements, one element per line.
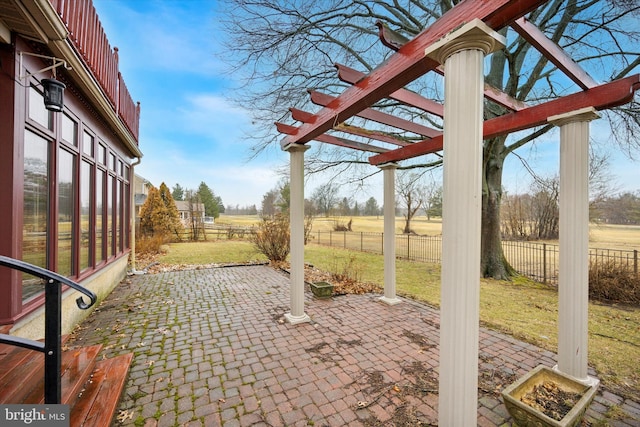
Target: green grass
<point>521,308</point>
<point>220,252</point>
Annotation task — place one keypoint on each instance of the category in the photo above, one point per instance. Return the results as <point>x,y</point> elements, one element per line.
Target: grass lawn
<point>522,308</point>
<point>606,236</point>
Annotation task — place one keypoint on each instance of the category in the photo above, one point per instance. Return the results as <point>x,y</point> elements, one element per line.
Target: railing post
<point>408,246</point>
<point>544,263</point>
<point>52,342</point>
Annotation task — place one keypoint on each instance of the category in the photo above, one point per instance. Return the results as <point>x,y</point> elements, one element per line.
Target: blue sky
<point>190,133</point>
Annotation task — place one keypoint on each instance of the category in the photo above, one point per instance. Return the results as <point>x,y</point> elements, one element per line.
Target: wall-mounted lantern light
<point>53,89</point>
<point>53,94</point>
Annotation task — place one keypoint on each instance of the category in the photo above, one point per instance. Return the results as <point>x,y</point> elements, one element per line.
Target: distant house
<point>66,162</point>
<point>140,193</point>
<point>189,211</point>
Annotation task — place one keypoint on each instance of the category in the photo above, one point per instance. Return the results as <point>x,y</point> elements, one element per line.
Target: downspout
<point>132,219</point>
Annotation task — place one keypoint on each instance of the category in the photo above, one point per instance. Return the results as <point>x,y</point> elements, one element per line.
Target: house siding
<point>85,232</point>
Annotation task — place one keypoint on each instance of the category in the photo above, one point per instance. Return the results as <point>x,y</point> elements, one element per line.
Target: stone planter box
<point>322,289</point>
<point>527,416</point>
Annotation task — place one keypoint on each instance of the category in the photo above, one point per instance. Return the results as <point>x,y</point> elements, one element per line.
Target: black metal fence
<point>538,261</point>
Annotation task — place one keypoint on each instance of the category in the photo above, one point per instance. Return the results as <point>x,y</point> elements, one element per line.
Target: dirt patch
<point>401,401</point>
<point>493,377</point>
<point>423,379</point>
<point>420,340</point>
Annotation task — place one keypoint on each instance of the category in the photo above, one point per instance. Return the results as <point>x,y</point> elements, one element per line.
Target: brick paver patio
<point>212,348</point>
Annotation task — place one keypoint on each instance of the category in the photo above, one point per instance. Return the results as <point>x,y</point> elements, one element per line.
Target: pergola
<point>455,45</point>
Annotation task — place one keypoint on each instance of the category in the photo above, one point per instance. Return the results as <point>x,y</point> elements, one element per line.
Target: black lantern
<point>53,94</point>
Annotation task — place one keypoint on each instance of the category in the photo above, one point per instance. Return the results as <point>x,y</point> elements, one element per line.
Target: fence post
<point>544,263</point>
<point>344,239</point>
<point>408,246</point>
<point>635,262</point>
<point>361,242</point>
<point>330,238</point>
<point>382,243</point>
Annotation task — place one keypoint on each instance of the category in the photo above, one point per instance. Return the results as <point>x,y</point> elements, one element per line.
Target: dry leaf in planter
<point>551,400</point>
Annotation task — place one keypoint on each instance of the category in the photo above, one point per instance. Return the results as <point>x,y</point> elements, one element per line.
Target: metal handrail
<point>52,346</point>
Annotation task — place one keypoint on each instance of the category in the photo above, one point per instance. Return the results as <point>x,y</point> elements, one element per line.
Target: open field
<point>522,308</point>
<point>606,236</point>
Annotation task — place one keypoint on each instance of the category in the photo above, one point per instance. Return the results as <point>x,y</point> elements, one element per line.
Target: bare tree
<point>432,198</point>
<point>195,215</point>
<point>325,198</point>
<point>410,192</point>
<point>282,48</point>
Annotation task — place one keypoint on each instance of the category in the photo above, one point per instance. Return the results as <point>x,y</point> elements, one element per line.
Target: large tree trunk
<point>492,260</point>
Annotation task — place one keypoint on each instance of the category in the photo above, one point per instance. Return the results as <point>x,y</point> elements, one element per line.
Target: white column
<point>573,275</point>
<point>389,247</point>
<point>296,221</point>
<point>462,53</point>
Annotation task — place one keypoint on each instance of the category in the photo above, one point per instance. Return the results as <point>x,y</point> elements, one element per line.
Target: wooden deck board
<point>100,399</point>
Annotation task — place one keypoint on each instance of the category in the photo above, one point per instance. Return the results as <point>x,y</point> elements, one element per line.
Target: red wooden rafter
<point>410,63</point>
<point>601,97</point>
<point>553,52</point>
<point>380,117</point>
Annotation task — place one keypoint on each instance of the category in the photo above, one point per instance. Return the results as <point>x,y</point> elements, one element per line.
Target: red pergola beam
<point>601,97</point>
<point>333,140</point>
<point>322,99</point>
<point>554,53</point>
<point>412,99</point>
<point>409,63</point>
<point>306,117</point>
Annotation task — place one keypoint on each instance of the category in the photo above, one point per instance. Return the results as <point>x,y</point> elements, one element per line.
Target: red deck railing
<point>88,37</point>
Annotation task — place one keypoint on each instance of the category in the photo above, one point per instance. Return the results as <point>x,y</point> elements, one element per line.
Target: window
<point>87,144</point>
<point>109,205</point>
<point>100,253</point>
<point>35,213</point>
<point>37,111</point>
<point>69,130</point>
<point>86,225</point>
<point>66,218</point>
<point>102,154</point>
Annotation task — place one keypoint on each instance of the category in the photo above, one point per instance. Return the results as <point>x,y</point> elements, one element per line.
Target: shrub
<point>272,238</point>
<point>341,226</point>
<point>150,244</point>
<point>612,281</point>
<point>349,270</point>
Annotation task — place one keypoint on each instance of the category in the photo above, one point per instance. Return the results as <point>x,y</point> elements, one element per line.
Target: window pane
<point>127,216</point>
<point>112,161</point>
<point>118,216</point>
<point>87,144</point>
<point>37,111</point>
<point>34,232</point>
<point>99,210</point>
<point>85,216</point>
<point>66,169</point>
<point>109,235</point>
<point>69,130</point>
<point>102,154</point>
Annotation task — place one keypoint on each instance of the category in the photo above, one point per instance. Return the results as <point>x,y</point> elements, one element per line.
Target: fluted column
<point>296,218</point>
<point>389,247</point>
<point>462,53</point>
<point>573,275</point>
